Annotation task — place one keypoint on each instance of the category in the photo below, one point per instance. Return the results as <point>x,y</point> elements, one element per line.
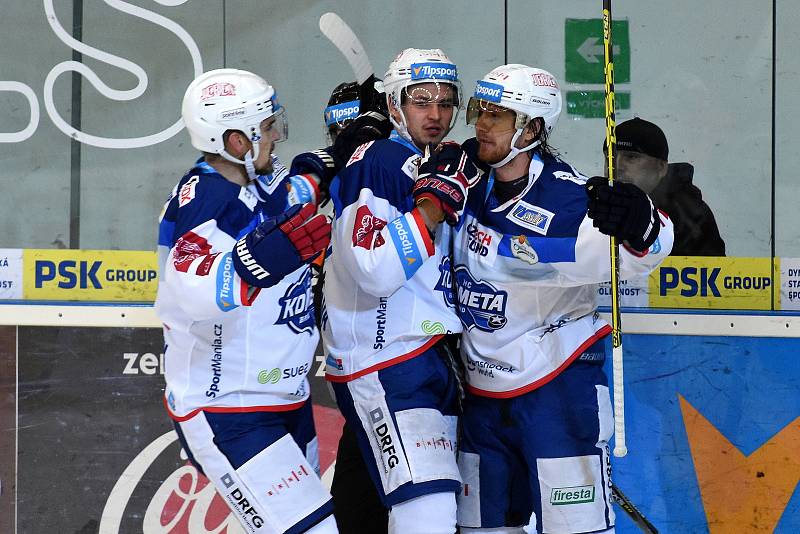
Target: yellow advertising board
<point>90,275</point>
<point>712,283</point>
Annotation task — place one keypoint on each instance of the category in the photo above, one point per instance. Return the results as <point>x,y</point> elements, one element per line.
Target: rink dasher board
<point>634,321</point>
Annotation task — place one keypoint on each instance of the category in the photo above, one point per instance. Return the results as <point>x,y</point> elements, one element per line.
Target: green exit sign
<point>583,51</point>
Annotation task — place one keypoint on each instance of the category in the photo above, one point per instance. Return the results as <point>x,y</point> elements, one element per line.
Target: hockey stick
<point>339,33</point>
<point>620,449</point>
<point>630,509</point>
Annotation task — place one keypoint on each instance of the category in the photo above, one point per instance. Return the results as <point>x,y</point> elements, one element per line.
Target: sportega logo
<point>434,71</point>
<point>571,495</point>
<point>488,91</point>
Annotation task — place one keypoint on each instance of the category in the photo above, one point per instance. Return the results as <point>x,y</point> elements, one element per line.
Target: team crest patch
<point>358,155</point>
<point>522,249</point>
<point>297,306</point>
<point>480,304</point>
<point>188,191</point>
<point>366,230</point>
<point>188,248</point>
<point>531,217</point>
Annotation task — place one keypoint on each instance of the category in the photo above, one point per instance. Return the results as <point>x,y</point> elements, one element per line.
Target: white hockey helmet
<point>414,66</point>
<point>230,99</point>
<point>528,91</point>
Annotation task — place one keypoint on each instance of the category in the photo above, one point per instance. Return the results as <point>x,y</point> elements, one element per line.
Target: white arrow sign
<point>590,49</point>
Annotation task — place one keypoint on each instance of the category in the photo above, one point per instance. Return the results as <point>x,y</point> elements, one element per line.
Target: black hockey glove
<point>319,163</point>
<point>368,126</point>
<point>281,245</point>
<point>371,98</point>
<point>444,175</point>
<point>624,211</point>
<point>471,146</point>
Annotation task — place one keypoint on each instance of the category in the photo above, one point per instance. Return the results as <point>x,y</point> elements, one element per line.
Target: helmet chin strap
<point>249,157</point>
<point>514,150</point>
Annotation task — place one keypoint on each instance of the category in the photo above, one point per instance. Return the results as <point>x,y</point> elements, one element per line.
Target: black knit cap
<point>638,135</point>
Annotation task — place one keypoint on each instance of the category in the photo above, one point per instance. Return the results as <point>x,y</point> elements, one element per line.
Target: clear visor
<point>424,95</point>
<point>494,113</point>
<point>276,126</point>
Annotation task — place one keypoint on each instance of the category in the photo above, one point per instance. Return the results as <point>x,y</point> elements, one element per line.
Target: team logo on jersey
<point>188,191</point>
<point>480,304</point>
<point>480,240</point>
<point>297,306</point>
<point>521,248</point>
<point>358,155</point>
<point>445,282</point>
<point>367,228</point>
<point>188,248</point>
<point>530,216</point>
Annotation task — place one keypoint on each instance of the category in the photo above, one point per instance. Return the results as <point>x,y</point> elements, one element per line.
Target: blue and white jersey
<point>229,346</point>
<point>527,272</point>
<point>387,290</point>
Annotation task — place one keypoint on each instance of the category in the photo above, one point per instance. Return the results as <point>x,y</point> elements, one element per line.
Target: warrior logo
<point>480,305</point>
<point>297,306</point>
<point>366,229</point>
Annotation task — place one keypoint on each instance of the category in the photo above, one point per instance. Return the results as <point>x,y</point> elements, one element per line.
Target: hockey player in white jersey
<point>537,414</point>
<point>387,314</point>
<point>235,239</point>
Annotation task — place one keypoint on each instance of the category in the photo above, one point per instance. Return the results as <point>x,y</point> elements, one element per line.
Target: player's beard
<point>491,153</point>
<point>266,168</point>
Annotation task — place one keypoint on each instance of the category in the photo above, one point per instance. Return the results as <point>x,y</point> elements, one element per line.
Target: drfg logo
<point>240,503</point>
<point>704,282</point>
<point>383,435</point>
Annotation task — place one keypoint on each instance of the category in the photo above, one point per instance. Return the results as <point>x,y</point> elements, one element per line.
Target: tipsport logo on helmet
<point>480,304</point>
<point>490,92</point>
<point>341,112</point>
<point>434,71</point>
<point>297,306</point>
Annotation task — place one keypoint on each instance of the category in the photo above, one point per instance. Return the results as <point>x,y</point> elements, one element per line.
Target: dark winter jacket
<point>696,232</point>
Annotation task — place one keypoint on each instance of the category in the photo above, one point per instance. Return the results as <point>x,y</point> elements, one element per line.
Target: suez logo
<point>436,71</point>
<point>275,375</point>
<point>86,274</point>
<point>488,91</point>
<point>703,281</point>
<point>341,112</point>
<point>247,513</point>
<point>143,364</point>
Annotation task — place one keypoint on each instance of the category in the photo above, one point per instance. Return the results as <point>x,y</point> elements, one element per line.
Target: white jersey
<point>387,288</point>
<point>229,347</point>
<point>527,272</point>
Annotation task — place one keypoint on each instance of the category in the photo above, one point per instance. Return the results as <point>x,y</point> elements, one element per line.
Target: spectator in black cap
<point>642,155</point>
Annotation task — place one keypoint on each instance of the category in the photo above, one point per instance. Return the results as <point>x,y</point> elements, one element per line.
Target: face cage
<point>476,106</point>
<point>456,89</point>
